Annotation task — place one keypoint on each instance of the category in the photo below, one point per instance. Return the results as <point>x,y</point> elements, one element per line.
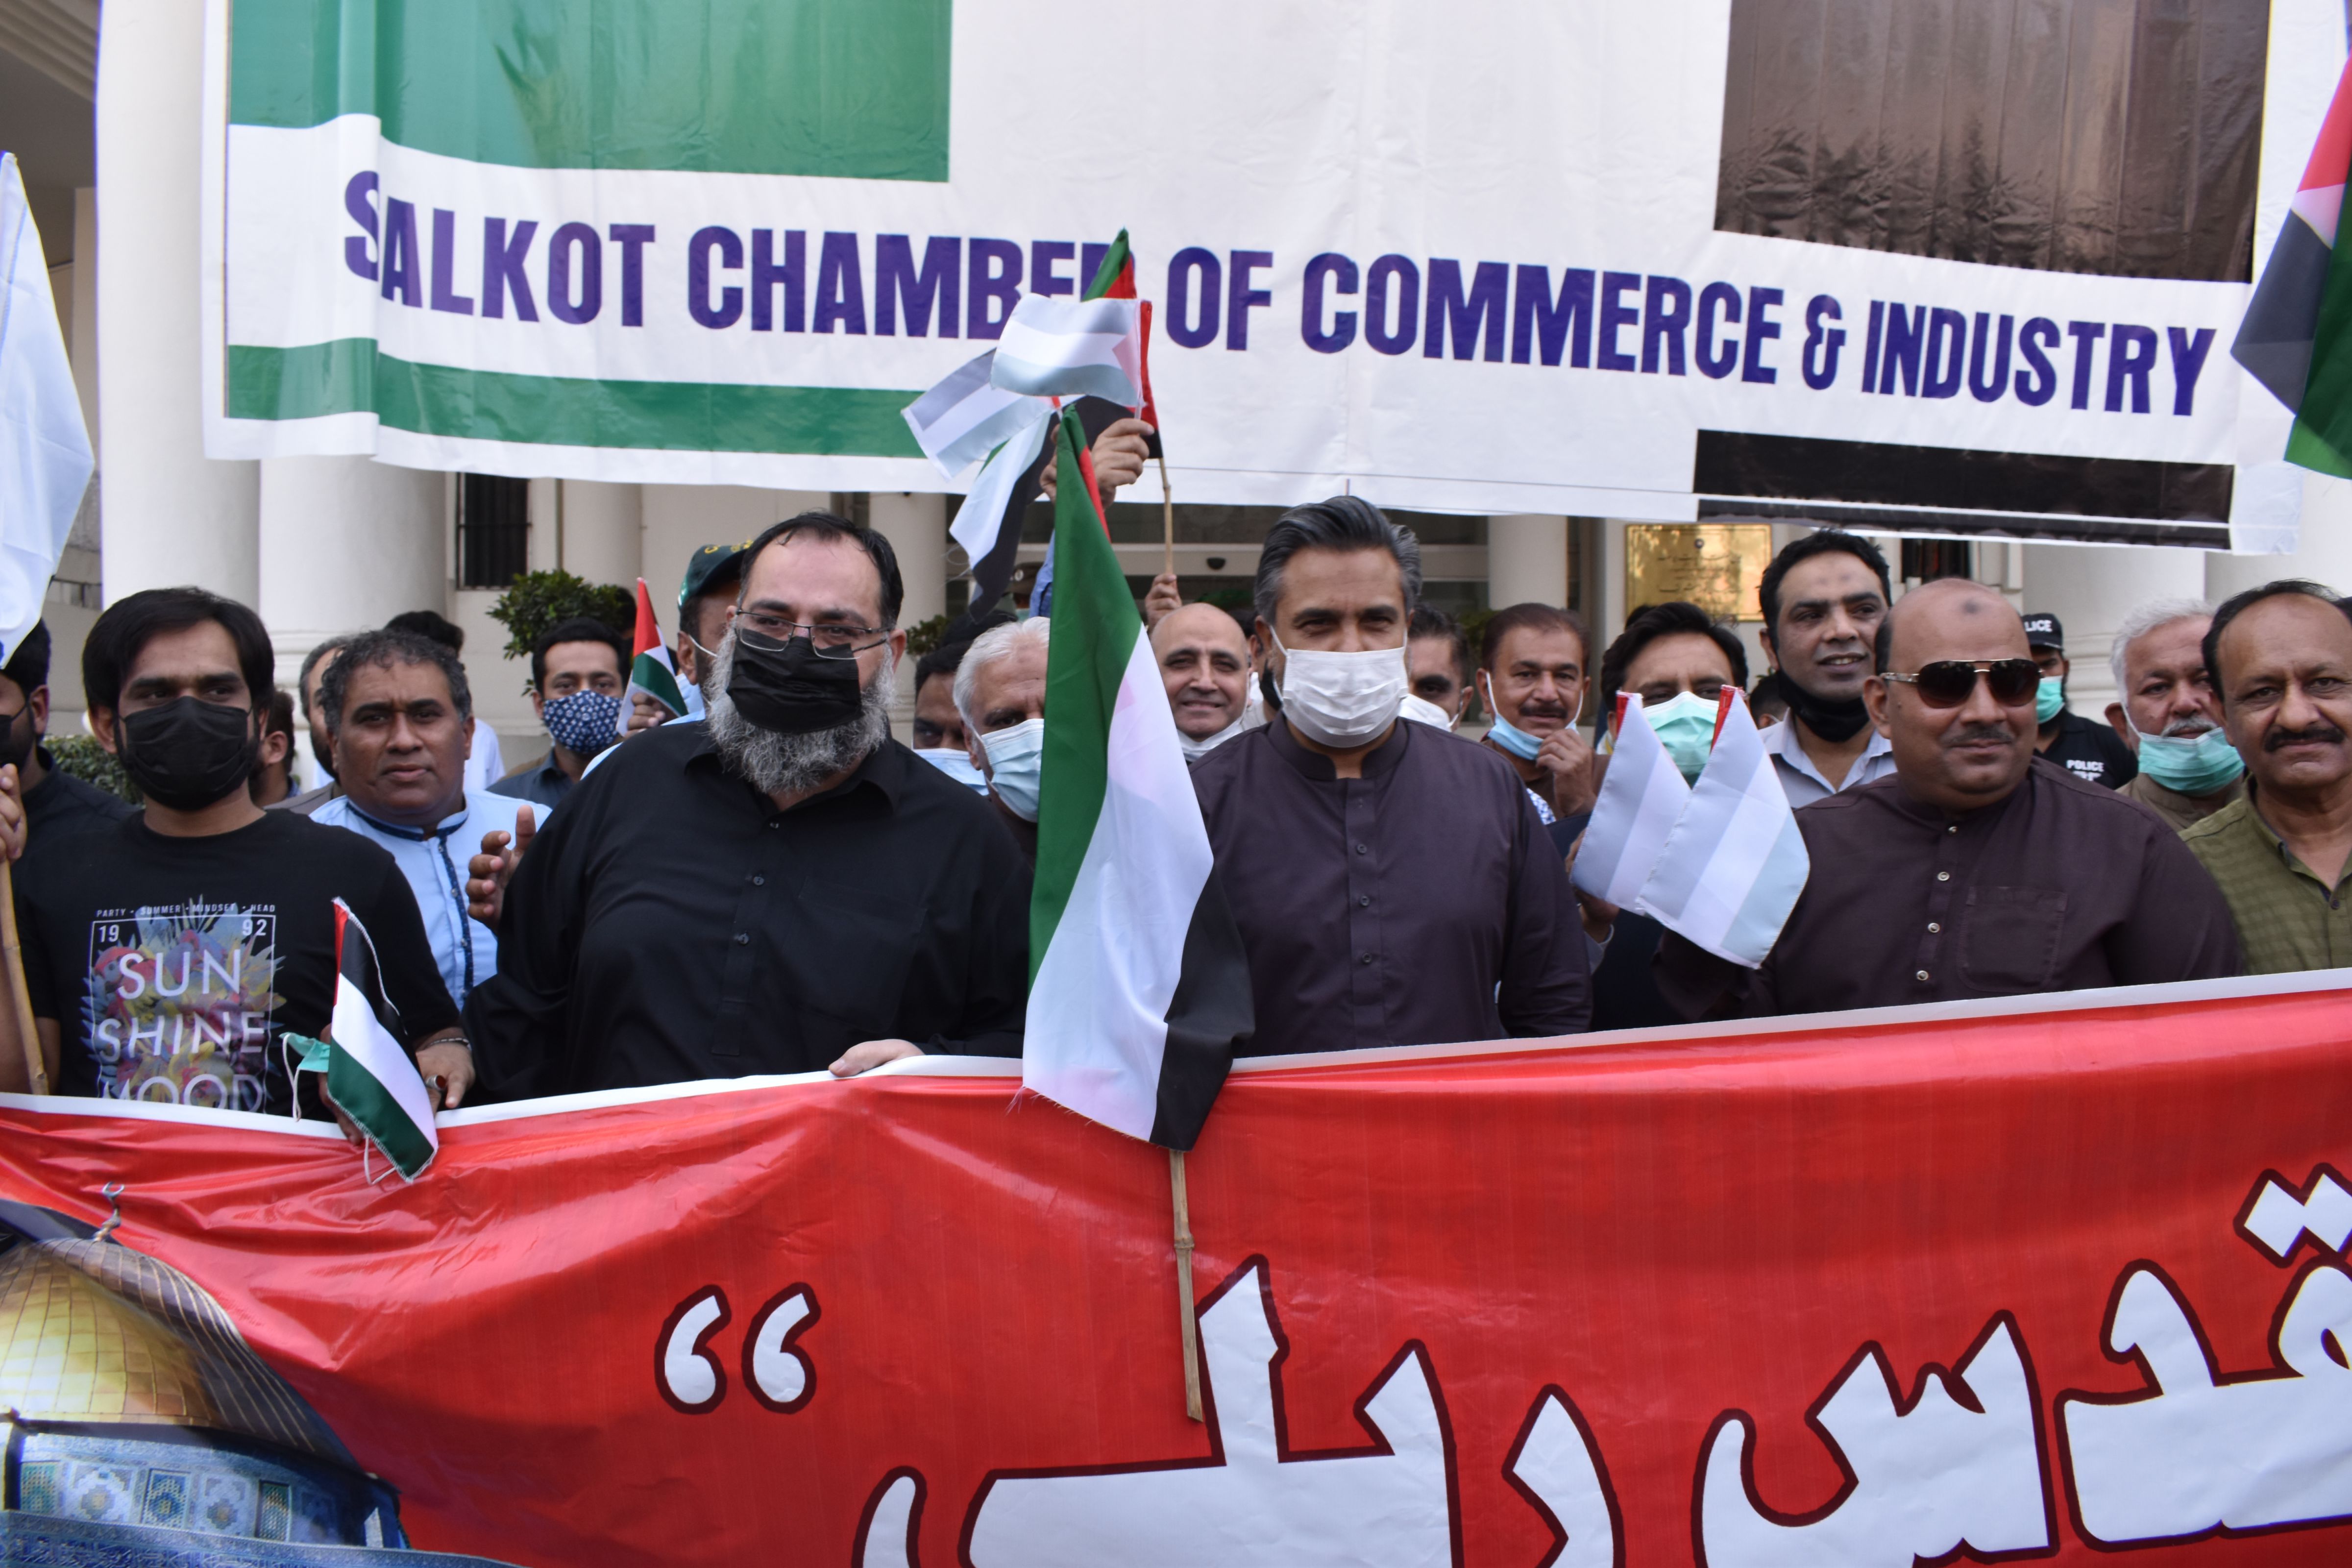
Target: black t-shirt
<point>172,966</point>
<point>2093,753</point>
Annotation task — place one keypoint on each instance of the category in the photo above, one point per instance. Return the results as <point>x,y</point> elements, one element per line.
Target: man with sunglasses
<point>781,887</point>
<point>1978,868</point>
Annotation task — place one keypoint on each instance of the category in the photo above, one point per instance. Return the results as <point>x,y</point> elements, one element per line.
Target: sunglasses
<point>1948,682</point>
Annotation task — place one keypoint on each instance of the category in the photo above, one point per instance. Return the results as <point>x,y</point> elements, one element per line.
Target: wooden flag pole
<point>36,1069</point>
<point>1185,1317</point>
<point>1167,533</point>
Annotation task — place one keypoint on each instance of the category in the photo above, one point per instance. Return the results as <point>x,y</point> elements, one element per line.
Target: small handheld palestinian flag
<point>369,1074</point>
<point>1138,986</point>
<point>1114,279</point>
<point>2296,336</point>
<point>652,673</point>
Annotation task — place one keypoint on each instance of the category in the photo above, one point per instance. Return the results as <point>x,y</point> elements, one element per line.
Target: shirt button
<point>742,939</point>
<point>1367,958</point>
<point>758,880</point>
<point>1921,975</point>
<point>1953,829</point>
<point>1364,902</point>
<point>1363,849</point>
<point>775,822</point>
<point>1934,926</point>
<point>1943,876</point>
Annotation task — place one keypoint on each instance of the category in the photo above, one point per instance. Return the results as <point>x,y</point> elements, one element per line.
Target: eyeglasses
<point>828,641</point>
<point>1948,682</point>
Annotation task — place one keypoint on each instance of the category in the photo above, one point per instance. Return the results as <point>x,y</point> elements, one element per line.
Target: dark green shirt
<point>2287,919</point>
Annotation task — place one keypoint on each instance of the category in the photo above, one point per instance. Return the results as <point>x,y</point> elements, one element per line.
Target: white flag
<point>45,458</point>
<point>1641,798</point>
<point>1073,347</point>
<point>967,415</point>
<point>1736,862</point>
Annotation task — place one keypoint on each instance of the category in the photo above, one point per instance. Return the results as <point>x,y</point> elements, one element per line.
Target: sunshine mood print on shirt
<point>178,1002</point>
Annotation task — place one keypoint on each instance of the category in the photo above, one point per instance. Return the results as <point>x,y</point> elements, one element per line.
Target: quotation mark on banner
<point>690,1375</point>
<point>2276,1218</point>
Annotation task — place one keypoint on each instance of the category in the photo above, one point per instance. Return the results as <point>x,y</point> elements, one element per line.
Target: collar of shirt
<point>884,770</point>
<point>441,829</point>
<point>2278,846</point>
<point>1317,768</point>
<point>1780,741</point>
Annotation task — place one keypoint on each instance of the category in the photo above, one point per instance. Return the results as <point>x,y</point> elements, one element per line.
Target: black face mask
<point>188,754</point>
<point>786,688</point>
<point>1833,722</point>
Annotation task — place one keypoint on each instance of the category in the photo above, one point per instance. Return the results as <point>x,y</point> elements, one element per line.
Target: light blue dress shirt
<point>433,861</point>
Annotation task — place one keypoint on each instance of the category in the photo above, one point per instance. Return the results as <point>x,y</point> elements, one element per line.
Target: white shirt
<point>1802,783</point>
<point>488,765</point>
<point>433,861</point>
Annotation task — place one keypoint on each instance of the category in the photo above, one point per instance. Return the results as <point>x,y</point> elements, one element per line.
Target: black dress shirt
<point>2091,750</point>
<point>669,923</point>
<point>2063,886</point>
<point>1421,904</point>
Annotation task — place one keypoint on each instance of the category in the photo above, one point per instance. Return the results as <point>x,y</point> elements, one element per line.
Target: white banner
<point>1474,262</point>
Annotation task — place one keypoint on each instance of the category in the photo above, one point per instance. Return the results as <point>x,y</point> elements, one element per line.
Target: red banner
<point>1862,1290</point>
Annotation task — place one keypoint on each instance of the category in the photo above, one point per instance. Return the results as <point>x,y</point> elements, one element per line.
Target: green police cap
<point>712,566</point>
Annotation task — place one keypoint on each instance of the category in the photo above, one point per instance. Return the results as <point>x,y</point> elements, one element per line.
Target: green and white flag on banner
<point>1139,988</point>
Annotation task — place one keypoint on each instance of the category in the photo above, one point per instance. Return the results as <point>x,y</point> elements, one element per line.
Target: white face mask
<point>1423,710</point>
<point>1017,759</point>
<point>1342,699</point>
<point>1195,750</point>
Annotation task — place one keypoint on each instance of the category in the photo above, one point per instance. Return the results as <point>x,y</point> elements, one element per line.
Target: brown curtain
<point>2111,136</point>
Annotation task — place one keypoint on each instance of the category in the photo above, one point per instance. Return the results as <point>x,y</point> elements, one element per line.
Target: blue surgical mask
<point>583,723</point>
<point>2191,764</point>
<point>1017,759</point>
<point>1685,727</point>
<point>2049,698</point>
<point>957,764</point>
<point>1514,740</point>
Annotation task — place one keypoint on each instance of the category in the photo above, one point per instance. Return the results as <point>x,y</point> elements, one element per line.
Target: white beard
<point>794,764</point>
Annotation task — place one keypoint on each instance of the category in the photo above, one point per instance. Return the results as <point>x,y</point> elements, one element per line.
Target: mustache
<point>2322,734</point>
<point>1969,734</point>
<point>1543,708</point>
<point>2188,729</point>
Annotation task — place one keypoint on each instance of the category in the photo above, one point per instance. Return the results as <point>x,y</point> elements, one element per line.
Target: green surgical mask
<point>2049,698</point>
<point>1685,727</point>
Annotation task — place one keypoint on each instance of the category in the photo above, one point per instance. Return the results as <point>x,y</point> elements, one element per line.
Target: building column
<point>917,528</point>
<point>172,516</point>
<point>2091,588</point>
<point>346,544</point>
<point>602,536</point>
<point>1527,561</point>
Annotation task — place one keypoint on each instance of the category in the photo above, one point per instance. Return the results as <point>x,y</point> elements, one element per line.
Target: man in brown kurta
<point>1978,868</point>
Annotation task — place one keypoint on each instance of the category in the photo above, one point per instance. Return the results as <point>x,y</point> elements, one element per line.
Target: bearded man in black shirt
<point>780,888</point>
<point>169,954</point>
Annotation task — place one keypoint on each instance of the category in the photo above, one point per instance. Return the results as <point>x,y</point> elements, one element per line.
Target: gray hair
<point>995,643</point>
<point>2144,620</point>
<point>1343,523</point>
<point>790,764</point>
<point>382,650</point>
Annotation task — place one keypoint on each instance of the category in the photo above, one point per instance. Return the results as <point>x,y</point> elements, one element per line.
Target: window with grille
<point>493,530</point>
<point>1924,560</point>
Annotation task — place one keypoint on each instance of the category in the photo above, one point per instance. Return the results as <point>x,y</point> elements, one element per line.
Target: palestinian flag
<point>1138,989</point>
<point>1113,278</point>
<point>653,673</point>
<point>2296,337</point>
<point>369,1073</point>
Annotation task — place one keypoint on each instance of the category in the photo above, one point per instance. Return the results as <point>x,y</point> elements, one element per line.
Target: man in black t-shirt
<point>2091,751</point>
<point>168,955</point>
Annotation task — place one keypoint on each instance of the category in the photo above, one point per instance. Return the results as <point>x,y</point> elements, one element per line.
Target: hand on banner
<point>445,1063</point>
<point>487,874</point>
<point>12,813</point>
<point>1569,759</point>
<point>647,712</point>
<point>1162,601</point>
<point>871,1054</point>
<point>1119,454</point>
